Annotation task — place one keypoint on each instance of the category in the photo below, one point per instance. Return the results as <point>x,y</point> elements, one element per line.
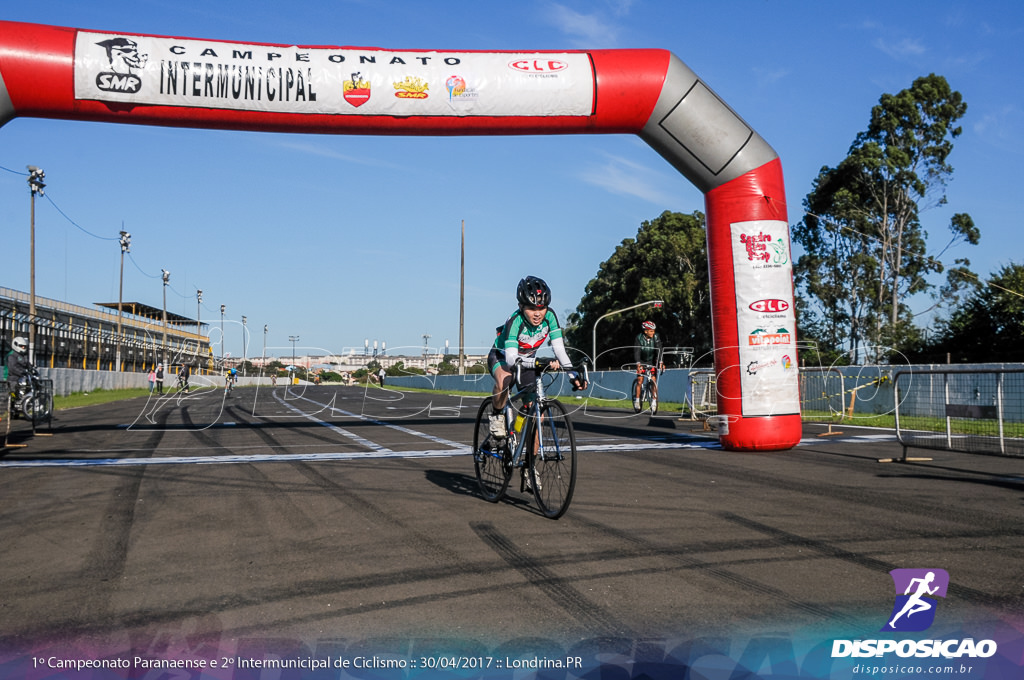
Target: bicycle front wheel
<point>553,460</point>
<point>493,463</point>
<point>652,396</point>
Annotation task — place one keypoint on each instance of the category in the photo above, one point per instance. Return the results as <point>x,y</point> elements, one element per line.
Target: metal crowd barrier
<point>968,411</point>
<point>704,394</point>
<point>822,394</point>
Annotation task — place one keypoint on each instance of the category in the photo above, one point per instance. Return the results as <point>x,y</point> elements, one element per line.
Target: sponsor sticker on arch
<point>765,317</point>
<point>150,70</point>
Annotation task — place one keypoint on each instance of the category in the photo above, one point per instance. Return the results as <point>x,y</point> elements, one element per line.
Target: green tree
<point>866,250</point>
<point>666,261</point>
<point>987,326</point>
<point>449,365</point>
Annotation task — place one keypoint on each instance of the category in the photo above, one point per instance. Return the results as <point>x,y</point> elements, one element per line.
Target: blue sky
<point>340,239</point>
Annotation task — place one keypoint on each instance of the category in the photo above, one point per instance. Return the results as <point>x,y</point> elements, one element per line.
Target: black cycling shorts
<point>496,357</point>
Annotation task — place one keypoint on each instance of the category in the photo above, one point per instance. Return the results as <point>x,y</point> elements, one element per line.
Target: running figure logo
<point>914,609</point>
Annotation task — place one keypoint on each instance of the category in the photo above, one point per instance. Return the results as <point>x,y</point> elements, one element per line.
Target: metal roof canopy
<point>150,312</point>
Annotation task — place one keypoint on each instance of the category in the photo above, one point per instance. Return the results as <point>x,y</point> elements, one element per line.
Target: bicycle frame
<point>650,374</point>
<point>535,396</point>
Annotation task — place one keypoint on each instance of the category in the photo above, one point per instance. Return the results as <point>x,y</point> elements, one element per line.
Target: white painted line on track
<point>334,428</point>
<point>223,460</point>
<point>374,421</point>
<point>460,450</point>
<point>850,439</point>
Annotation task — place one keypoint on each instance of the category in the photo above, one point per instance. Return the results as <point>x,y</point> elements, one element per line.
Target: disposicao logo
<point>914,610</point>
<point>916,590</point>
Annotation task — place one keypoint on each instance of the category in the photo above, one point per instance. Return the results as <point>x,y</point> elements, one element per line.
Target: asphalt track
<point>320,516</point>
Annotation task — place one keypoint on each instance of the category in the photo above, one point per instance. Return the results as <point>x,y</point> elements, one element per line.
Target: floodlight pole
<point>293,339</point>
<point>617,311</point>
<point>199,324</point>
<point>243,345</point>
<point>35,185</point>
<point>126,244</point>
<point>223,341</point>
<point>166,277</point>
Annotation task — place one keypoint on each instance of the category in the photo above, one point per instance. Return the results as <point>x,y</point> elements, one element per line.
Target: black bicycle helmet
<point>533,291</point>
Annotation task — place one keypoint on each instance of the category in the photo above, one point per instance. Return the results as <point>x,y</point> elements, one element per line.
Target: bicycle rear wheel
<point>632,396</point>
<point>493,463</point>
<point>553,465</point>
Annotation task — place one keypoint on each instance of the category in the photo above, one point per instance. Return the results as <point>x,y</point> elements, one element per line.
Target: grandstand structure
<point>73,336</point>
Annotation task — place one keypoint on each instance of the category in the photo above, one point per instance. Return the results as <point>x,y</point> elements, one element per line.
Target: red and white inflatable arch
<point>57,72</point>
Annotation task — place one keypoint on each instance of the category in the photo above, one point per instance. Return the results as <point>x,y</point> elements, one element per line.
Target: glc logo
<point>769,305</point>
<point>538,65</point>
<point>914,609</point>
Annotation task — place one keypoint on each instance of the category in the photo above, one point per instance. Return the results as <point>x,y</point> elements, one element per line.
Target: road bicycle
<point>540,444</point>
<point>648,389</point>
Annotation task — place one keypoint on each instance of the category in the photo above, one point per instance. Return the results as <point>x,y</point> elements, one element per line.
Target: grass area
<point>79,399</point>
<point>976,426</point>
<point>887,421</point>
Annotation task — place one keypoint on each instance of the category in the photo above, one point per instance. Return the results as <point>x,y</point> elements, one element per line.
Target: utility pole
<point>462,302</point>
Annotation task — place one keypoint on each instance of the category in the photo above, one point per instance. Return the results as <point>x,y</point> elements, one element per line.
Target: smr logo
<point>123,56</point>
<point>916,589</point>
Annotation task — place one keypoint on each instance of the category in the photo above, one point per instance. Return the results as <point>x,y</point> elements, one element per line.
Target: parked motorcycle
<point>29,399</point>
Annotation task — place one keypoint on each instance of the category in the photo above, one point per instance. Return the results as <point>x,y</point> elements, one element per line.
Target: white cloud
<point>627,178</point>
<point>590,30</point>
<point>901,49</point>
<point>318,150</point>
<point>1001,128</point>
<point>766,77</point>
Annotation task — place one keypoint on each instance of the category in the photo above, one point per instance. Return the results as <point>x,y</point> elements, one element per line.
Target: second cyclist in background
<point>230,379</point>
<point>647,354</point>
<point>523,333</point>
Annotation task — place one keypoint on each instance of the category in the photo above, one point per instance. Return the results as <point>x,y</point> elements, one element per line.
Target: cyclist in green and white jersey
<point>522,334</point>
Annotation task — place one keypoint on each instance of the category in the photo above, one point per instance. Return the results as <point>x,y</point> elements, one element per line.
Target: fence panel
<point>968,411</point>
<point>704,395</point>
<point>822,391</point>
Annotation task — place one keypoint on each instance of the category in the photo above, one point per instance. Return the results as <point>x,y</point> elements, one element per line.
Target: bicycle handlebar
<point>543,364</point>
